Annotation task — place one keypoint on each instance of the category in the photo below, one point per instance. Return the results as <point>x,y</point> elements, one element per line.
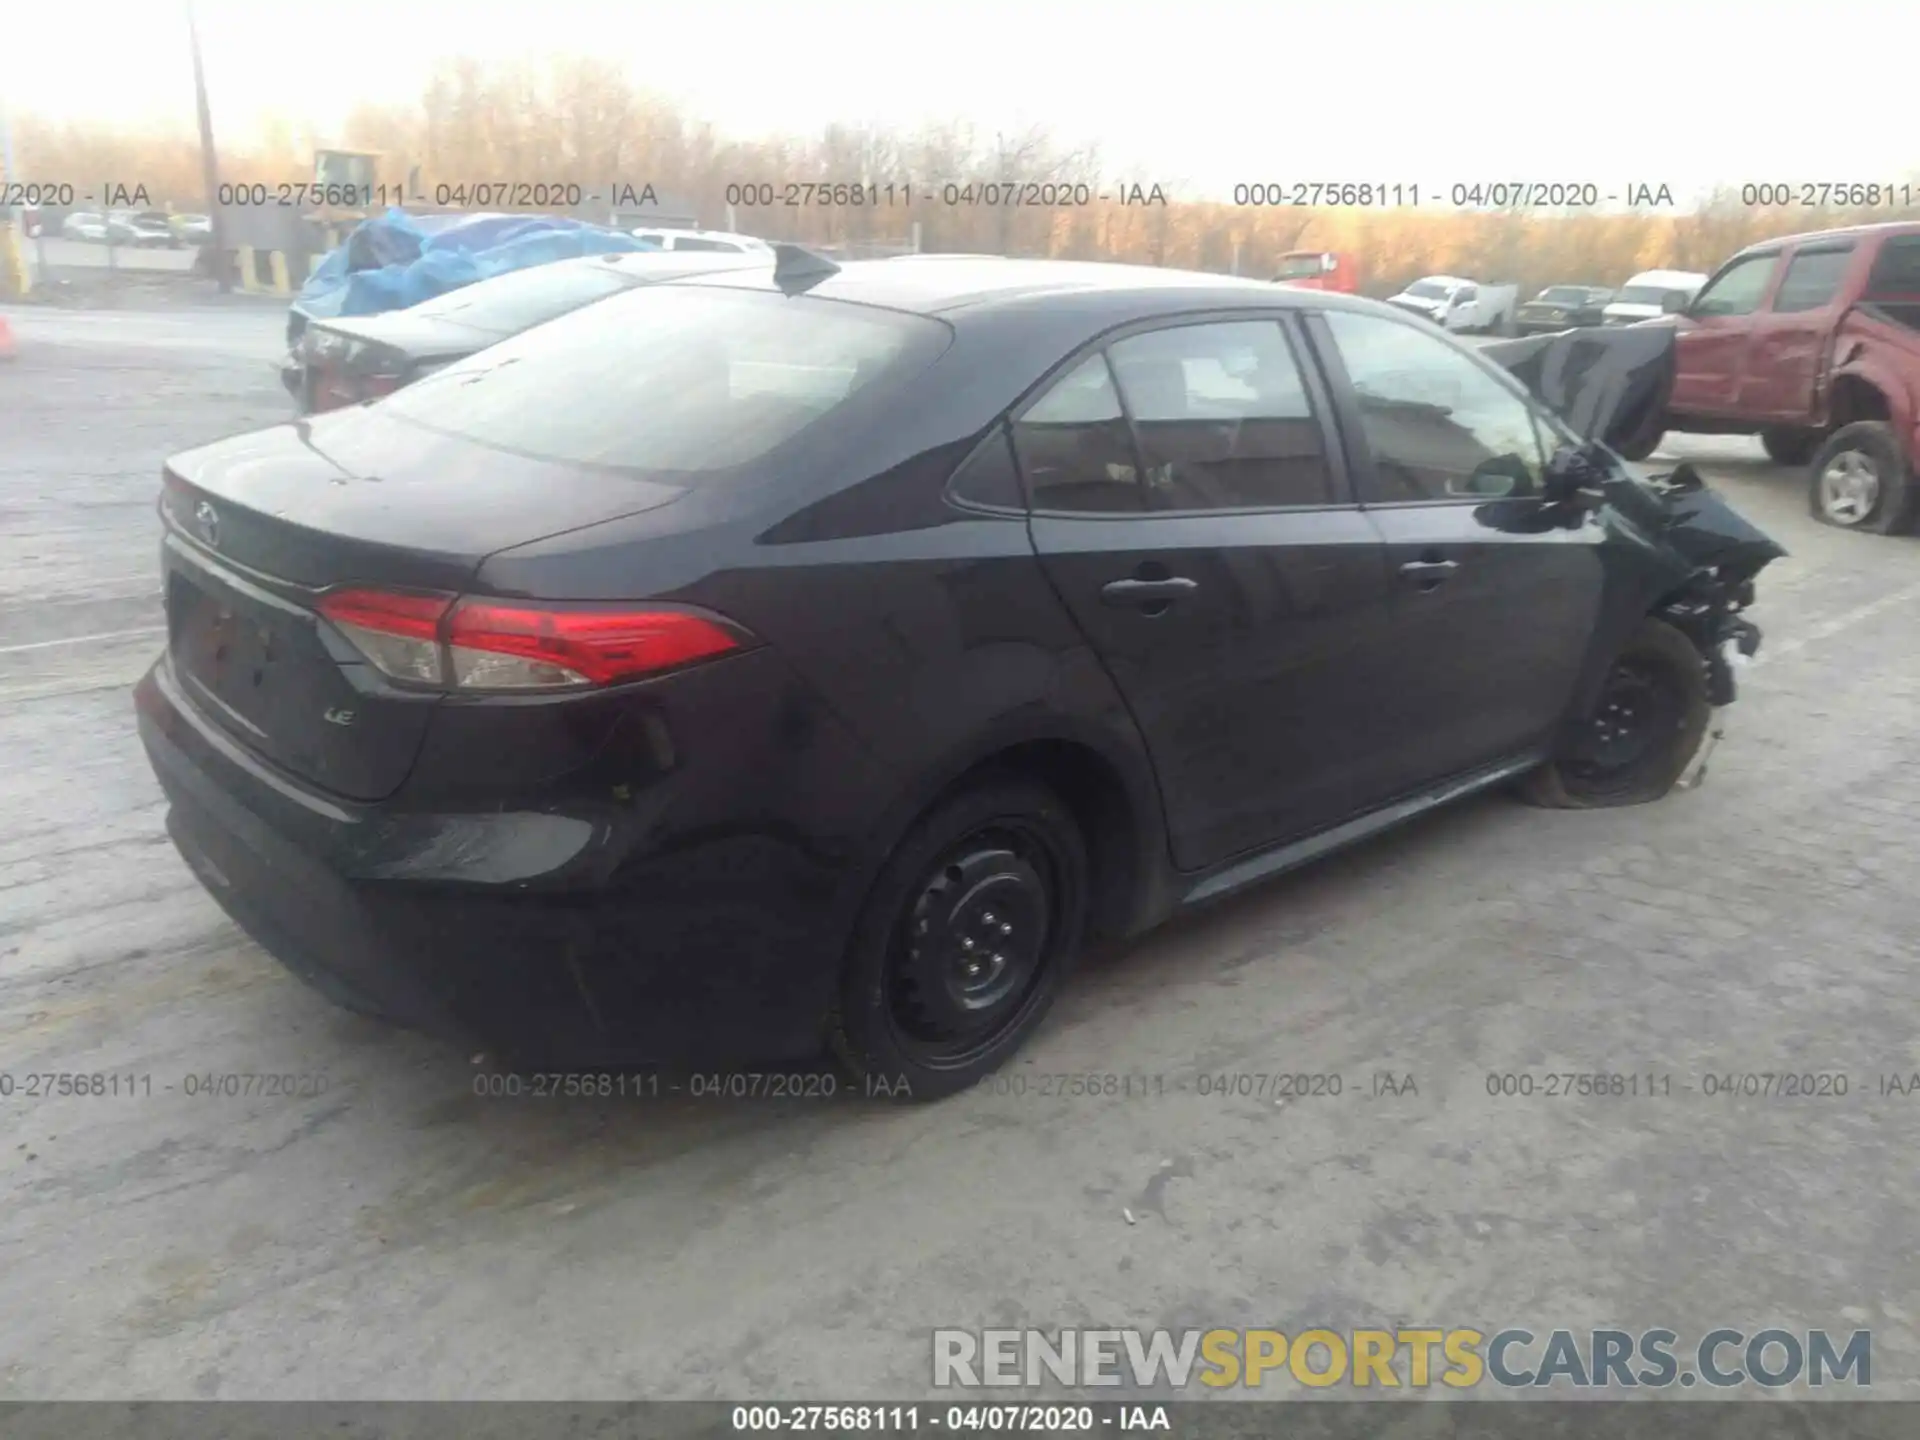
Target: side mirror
<point>1674,303</point>
<point>1571,476</point>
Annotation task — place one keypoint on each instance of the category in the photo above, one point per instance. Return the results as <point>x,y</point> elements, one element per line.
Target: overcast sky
<point>1203,94</point>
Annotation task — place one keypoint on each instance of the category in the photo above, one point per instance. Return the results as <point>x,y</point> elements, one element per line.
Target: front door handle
<point>1148,592</point>
<point>1427,574</point>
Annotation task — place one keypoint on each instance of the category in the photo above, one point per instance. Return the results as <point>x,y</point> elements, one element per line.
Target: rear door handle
<point>1148,592</point>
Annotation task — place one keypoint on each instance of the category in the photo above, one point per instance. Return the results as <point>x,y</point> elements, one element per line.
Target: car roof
<point>964,283</point>
<point>1846,232</point>
<point>1665,277</point>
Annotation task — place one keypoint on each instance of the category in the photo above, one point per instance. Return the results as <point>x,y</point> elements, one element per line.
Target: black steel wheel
<point>1646,723</point>
<point>970,928</point>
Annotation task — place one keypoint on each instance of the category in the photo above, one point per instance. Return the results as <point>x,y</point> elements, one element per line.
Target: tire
<point>1861,479</point>
<point>924,1028</point>
<point>1639,447</point>
<point>1662,678</point>
<point>1785,446</point>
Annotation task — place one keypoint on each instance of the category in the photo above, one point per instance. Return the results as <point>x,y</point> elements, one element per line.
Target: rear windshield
<point>510,303</point>
<point>668,378</point>
<point>1564,295</point>
<point>1429,289</point>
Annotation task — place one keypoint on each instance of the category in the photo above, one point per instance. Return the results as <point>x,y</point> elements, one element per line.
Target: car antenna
<point>796,268</point>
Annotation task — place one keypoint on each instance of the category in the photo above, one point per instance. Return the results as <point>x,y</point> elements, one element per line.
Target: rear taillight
<point>400,634</point>
<point>495,646</point>
<point>483,645</point>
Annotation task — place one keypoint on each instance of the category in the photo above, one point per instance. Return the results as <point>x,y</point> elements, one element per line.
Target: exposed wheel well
<point>1856,399</point>
<point>1094,791</point>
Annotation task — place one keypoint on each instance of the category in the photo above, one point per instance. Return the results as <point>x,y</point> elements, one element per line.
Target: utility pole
<point>209,164</point>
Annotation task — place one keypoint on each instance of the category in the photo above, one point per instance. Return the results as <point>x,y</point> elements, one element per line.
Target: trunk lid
<point>420,337</point>
<point>257,527</point>
<point>346,361</point>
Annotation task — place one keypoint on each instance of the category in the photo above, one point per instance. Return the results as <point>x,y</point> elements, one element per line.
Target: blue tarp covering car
<point>395,260</point>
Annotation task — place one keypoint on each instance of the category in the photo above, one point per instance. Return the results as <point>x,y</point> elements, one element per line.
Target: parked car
<point>351,359</point>
<point>1333,270</point>
<point>1563,307</point>
<point>1464,307</point>
<point>1651,294</point>
<point>712,240</point>
<point>816,657</point>
<point>1813,344</point>
<point>142,229</point>
<point>192,229</point>
<point>84,225</point>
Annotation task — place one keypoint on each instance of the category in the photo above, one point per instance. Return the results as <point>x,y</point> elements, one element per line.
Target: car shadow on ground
<point>432,1137</point>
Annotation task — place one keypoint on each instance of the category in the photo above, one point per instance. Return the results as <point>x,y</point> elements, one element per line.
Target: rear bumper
<point>722,948</point>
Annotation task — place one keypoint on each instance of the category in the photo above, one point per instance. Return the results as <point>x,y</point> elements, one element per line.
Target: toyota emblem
<point>208,519</point>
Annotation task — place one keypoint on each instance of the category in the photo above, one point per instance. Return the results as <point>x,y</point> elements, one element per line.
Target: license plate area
<point>253,657</point>
<point>236,653</point>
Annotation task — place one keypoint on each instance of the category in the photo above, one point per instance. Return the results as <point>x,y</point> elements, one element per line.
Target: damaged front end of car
<point>1688,557</point>
<point>1722,553</point>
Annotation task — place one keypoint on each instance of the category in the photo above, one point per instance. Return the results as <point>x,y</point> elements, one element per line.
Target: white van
<point>1644,297</point>
<point>710,240</point>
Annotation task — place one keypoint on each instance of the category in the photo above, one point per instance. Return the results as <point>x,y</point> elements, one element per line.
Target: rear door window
<point>989,477</point>
<point>1075,448</point>
<point>1223,418</point>
<point>1812,279</point>
<point>672,380</point>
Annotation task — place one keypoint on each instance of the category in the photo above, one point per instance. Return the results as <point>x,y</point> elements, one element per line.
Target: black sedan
<point>1562,307</point>
<point>816,659</point>
<point>349,360</point>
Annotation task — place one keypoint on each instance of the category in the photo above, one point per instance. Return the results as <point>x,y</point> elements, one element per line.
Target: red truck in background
<point>1812,343</point>
<point>1320,270</point>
